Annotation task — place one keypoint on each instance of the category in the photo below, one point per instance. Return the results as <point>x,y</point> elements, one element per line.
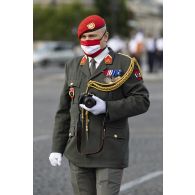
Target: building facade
<point>148,15</point>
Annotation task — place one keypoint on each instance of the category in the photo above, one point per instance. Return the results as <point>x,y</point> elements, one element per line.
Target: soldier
<point>101,90</point>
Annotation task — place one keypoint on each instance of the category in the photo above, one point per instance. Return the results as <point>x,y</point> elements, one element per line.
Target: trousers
<point>95,181</point>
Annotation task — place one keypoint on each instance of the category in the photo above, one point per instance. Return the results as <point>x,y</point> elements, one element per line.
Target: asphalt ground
<point>144,174</point>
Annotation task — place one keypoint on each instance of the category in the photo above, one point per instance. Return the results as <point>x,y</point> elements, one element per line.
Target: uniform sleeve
<point>62,120</point>
<point>135,101</point>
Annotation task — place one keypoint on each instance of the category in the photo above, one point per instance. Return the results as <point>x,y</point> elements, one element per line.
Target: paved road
<point>144,174</point>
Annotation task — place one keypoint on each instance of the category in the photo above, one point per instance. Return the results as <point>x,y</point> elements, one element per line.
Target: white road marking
<point>125,187</point>
<point>40,138</point>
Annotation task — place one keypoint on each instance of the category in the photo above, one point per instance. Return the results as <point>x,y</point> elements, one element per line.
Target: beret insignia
<point>91,25</point>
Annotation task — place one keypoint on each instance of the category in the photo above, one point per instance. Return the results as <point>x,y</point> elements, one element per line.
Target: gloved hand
<point>55,158</point>
<point>99,108</point>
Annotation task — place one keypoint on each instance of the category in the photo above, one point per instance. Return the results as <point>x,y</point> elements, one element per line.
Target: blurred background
<point>136,29</point>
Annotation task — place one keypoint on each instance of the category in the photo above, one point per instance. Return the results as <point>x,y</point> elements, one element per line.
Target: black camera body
<point>87,100</point>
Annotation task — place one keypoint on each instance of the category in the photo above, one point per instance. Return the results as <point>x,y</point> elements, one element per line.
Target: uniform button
<point>71,83</point>
<point>70,134</point>
<point>115,135</point>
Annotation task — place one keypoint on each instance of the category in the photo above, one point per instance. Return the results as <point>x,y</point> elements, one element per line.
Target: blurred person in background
<point>91,129</point>
<point>159,52</point>
<point>136,46</point>
<point>116,44</point>
<point>150,48</point>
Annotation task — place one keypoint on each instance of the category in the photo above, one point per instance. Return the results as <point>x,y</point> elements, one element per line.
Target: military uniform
<point>96,139</point>
<point>108,137</point>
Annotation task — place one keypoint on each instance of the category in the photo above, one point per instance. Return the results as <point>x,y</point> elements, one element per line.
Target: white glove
<point>99,108</point>
<point>55,158</point>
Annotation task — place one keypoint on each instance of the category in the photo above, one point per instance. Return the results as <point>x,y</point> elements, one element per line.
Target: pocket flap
<point>115,133</point>
<point>74,83</point>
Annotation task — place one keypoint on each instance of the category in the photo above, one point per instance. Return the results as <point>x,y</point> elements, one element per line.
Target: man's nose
<point>87,38</point>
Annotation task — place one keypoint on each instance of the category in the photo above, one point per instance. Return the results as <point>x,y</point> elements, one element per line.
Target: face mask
<point>92,47</point>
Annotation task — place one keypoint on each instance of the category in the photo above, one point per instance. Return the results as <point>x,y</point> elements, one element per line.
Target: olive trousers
<point>95,181</point>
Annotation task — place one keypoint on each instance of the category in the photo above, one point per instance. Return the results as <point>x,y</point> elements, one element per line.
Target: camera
<point>87,100</point>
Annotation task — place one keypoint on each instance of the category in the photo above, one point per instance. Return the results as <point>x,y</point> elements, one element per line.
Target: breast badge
<point>71,91</point>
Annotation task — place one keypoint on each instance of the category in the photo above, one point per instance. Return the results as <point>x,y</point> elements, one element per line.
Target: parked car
<point>53,53</point>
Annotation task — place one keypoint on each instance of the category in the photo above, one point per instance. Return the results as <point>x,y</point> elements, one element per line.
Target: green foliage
<point>58,22</point>
<point>116,15</point>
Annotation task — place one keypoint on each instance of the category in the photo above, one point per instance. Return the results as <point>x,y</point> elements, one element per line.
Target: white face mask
<point>91,47</point>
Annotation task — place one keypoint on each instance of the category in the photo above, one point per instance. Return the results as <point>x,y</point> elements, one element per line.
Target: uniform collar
<point>101,56</point>
<point>106,60</point>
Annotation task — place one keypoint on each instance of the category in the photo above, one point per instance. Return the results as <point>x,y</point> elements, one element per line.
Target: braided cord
<point>116,84</point>
<point>107,87</point>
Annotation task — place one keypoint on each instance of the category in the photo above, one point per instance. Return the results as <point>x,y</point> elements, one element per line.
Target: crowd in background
<point>147,49</point>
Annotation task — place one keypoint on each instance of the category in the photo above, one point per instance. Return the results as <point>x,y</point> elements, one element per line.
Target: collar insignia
<point>108,59</point>
<point>83,60</point>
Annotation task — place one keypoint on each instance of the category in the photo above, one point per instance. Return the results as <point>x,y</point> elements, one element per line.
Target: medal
<point>115,78</point>
<point>108,80</point>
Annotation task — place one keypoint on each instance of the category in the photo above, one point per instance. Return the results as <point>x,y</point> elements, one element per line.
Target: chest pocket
<point>74,87</point>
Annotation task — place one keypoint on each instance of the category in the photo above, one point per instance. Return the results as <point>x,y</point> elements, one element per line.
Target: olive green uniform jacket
<point>108,141</point>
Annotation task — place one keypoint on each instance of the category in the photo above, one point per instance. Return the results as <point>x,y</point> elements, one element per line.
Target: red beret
<point>91,23</point>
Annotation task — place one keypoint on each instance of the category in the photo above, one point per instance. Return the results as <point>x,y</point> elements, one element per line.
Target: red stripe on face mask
<point>90,42</point>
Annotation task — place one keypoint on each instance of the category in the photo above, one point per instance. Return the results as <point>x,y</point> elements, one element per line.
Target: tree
<point>58,22</point>
<point>116,15</point>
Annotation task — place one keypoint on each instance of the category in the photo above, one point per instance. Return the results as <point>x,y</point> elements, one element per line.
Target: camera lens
<point>89,102</point>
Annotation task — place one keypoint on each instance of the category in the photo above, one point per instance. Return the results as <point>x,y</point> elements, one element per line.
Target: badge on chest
<point>71,91</point>
<point>112,75</point>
